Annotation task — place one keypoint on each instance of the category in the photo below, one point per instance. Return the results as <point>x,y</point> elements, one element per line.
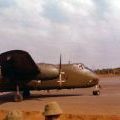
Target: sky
<point>83,31</point>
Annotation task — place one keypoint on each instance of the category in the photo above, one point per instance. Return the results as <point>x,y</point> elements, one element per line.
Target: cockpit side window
<point>80,66</point>
<point>89,69</point>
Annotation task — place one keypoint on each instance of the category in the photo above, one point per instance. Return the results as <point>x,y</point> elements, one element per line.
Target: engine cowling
<point>47,71</point>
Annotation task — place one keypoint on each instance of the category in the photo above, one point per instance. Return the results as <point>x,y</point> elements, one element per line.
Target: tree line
<point>115,71</point>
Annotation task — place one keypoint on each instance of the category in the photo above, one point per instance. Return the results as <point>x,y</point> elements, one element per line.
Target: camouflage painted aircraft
<point>20,73</point>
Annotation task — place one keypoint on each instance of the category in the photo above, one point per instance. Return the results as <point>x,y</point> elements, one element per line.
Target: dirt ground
<point>35,115</point>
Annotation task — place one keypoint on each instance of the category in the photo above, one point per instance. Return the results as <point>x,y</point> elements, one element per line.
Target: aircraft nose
<point>94,79</point>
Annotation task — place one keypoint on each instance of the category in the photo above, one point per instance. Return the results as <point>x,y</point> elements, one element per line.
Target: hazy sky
<point>84,31</point>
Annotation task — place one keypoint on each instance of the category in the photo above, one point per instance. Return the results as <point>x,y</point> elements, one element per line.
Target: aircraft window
<point>89,69</point>
<point>80,66</point>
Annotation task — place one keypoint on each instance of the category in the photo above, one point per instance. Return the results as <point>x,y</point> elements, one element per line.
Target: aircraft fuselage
<point>73,76</point>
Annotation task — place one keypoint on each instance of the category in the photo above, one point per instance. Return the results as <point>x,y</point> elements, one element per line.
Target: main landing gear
<point>18,96</point>
<point>97,90</point>
<point>26,93</point>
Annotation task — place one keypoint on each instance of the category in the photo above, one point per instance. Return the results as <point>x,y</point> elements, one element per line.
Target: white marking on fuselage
<point>60,81</point>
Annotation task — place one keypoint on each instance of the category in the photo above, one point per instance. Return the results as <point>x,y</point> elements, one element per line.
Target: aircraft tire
<point>96,92</point>
<point>18,98</point>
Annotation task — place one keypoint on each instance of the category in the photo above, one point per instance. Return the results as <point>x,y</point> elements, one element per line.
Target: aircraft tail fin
<point>17,64</point>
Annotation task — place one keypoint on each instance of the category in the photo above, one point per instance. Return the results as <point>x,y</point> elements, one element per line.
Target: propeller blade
<point>60,64</point>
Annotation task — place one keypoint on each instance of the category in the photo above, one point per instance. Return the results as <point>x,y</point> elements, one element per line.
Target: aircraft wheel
<point>96,92</point>
<point>26,93</point>
<point>18,98</point>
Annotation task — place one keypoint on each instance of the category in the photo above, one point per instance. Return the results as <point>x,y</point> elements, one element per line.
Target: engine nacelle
<point>47,71</point>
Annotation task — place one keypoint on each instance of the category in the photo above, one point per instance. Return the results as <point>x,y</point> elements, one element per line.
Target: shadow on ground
<point>41,96</point>
<point>9,97</point>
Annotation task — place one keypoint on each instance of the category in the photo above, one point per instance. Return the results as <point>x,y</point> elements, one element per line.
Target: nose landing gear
<point>97,90</point>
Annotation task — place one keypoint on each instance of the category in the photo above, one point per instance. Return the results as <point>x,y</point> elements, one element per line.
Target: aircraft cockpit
<point>81,66</point>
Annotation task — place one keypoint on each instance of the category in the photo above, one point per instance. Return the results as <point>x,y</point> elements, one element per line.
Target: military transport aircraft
<point>19,72</point>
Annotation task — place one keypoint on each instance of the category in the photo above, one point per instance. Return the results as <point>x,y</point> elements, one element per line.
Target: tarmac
<point>73,101</point>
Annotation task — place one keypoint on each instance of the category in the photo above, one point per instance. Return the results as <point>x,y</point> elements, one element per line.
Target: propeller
<point>60,81</point>
<point>60,65</point>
